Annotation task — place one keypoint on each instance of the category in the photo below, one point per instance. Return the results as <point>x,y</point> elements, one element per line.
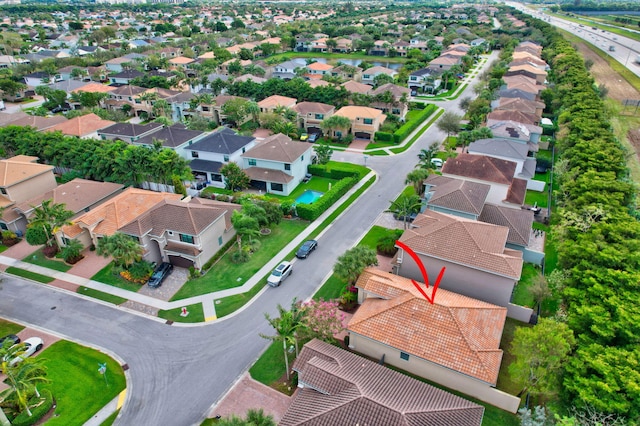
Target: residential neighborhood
<point>309,214</point>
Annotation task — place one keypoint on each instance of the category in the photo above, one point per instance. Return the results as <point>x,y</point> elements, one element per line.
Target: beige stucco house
<point>365,121</point>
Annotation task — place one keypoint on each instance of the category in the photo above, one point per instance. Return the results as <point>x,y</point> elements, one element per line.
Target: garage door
<point>180,262</point>
<point>362,135</point>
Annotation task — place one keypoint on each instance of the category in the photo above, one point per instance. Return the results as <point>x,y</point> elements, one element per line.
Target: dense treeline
<point>603,6</point>
<point>101,160</point>
<point>598,242</point>
<point>294,88</point>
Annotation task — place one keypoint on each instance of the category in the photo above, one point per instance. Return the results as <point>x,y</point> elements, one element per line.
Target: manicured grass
<point>371,238</point>
<point>96,294</point>
<point>226,274</point>
<point>270,366</point>
<point>317,183</point>
<point>29,275</point>
<point>215,190</point>
<point>434,117</point>
<point>504,379</point>
<point>230,304</point>
<point>375,145</point>
<point>38,258</point>
<point>196,314</point>
<point>107,276</point>
<point>331,289</point>
<point>521,294</point>
<point>7,327</point>
<point>541,199</point>
<point>79,389</point>
<point>361,170</point>
<point>3,248</point>
<point>408,191</point>
<point>109,420</point>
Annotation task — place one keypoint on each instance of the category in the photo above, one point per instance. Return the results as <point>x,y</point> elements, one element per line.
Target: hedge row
<point>333,172</point>
<point>408,127</point>
<point>313,211</point>
<point>383,137</point>
<point>38,411</point>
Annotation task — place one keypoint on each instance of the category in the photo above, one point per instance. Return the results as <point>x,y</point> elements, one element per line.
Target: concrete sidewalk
<point>207,300</point>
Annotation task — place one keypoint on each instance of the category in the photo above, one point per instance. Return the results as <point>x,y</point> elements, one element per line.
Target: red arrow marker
<point>423,271</point>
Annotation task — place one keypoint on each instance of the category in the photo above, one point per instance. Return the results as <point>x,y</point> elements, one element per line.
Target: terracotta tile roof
<point>175,215</point>
<point>519,222</point>
<point>395,90</point>
<point>94,88</point>
<point>109,217</point>
<point>342,388</point>
<point>268,175</point>
<point>520,105</point>
<point>276,101</point>
<point>527,68</point>
<point>180,60</point>
<point>380,70</point>
<point>477,245</point>
<point>312,107</point>
<point>481,167</point>
<point>218,205</point>
<point>318,83</point>
<point>517,116</point>
<point>39,123</point>
<point>517,192</point>
<point>82,125</point>
<point>355,87</point>
<point>21,168</point>
<point>352,112</point>
<point>457,194</point>
<point>6,118</point>
<point>457,332</point>
<point>76,195</point>
<point>519,78</point>
<point>278,147</point>
<point>128,90</point>
<point>220,100</point>
<point>319,66</point>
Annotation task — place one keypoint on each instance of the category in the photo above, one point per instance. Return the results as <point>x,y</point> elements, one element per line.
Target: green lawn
<point>434,117</point>
<point>270,366</point>
<point>371,238</point>
<point>196,314</point>
<point>504,380</point>
<point>107,276</point>
<point>37,258</point>
<point>226,274</point>
<point>541,199</point>
<point>3,248</point>
<point>331,289</point>
<point>79,389</point>
<point>96,294</point>
<point>521,295</point>
<point>7,327</point>
<point>29,275</point>
<point>109,420</point>
<point>230,304</point>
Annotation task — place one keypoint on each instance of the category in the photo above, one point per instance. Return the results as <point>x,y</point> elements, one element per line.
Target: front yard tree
<point>406,205</point>
<point>244,225</point>
<point>540,352</point>
<point>323,152</point>
<point>50,216</point>
<point>350,265</point>
<point>235,179</point>
<point>123,248</point>
<point>426,155</point>
<point>335,122</point>
<point>235,110</point>
<point>450,123</point>
<point>287,326</point>
<point>416,178</point>
<point>22,378</point>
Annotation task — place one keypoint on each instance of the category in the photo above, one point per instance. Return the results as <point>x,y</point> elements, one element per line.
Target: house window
<point>413,78</point>
<point>302,159</point>
<point>4,226</point>
<point>226,158</point>
<point>368,121</point>
<point>287,167</point>
<point>404,355</point>
<point>216,177</point>
<point>319,116</point>
<point>252,162</point>
<point>219,241</point>
<point>277,187</point>
<point>205,108</point>
<point>366,76</point>
<point>3,190</point>
<point>138,101</point>
<point>130,99</point>
<point>186,238</point>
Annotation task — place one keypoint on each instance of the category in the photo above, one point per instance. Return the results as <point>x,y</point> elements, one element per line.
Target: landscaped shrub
<point>386,244</point>
<point>240,257</point>
<point>41,406</point>
<point>406,129</point>
<point>331,172</point>
<point>383,137</point>
<point>9,238</point>
<point>139,272</point>
<point>222,197</point>
<point>314,210</point>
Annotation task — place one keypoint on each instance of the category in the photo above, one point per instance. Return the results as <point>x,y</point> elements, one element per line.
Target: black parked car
<point>410,218</point>
<point>160,274</point>
<point>10,338</point>
<point>306,249</point>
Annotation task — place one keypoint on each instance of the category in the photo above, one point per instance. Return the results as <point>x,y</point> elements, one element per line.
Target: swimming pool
<point>308,197</point>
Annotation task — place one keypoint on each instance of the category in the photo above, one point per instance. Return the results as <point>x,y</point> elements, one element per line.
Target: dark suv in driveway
<point>160,274</point>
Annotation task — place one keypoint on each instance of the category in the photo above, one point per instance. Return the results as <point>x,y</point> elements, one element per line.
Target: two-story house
<point>175,137</point>
<point>365,121</point>
<point>277,164</point>
<point>369,75</point>
<point>274,102</point>
<point>208,154</point>
<point>125,76</point>
<point>318,70</point>
<point>391,99</point>
<point>287,70</point>
<point>129,132</point>
<point>311,114</point>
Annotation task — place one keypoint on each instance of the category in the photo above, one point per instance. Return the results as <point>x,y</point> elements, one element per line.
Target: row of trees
<point>598,240</point>
<point>101,160</point>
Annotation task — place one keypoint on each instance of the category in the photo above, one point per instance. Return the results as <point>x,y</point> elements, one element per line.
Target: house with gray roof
<point>506,149</point>
<point>339,387</point>
<point>213,151</point>
<point>287,70</point>
<point>129,132</point>
<point>454,196</point>
<point>277,164</point>
<point>175,137</point>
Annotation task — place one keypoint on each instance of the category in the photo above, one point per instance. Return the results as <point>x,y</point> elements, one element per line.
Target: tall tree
<point>286,325</point>
<point>416,178</point>
<point>324,153</point>
<point>50,216</point>
<point>334,123</point>
<point>235,179</point>
<point>405,206</point>
<point>350,265</point>
<point>449,122</point>
<point>22,377</point>
<point>122,247</point>
<point>244,225</point>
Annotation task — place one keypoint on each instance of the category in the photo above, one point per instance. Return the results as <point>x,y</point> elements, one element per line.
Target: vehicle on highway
<point>9,338</point>
<point>280,274</point>
<point>612,48</point>
<point>24,350</point>
<point>160,274</point>
<point>305,249</point>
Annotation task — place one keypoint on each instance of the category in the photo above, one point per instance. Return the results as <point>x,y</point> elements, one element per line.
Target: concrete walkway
<point>82,278</point>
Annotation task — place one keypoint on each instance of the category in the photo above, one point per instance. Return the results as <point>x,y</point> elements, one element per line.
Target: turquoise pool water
<point>308,197</point>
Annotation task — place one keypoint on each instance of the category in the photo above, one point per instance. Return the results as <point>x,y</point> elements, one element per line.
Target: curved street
<point>175,372</point>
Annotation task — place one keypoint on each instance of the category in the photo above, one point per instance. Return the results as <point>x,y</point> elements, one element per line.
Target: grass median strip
<point>29,275</point>
<point>415,138</point>
<point>96,294</point>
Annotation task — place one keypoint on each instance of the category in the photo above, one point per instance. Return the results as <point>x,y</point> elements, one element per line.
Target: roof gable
<point>224,141</point>
<point>481,167</point>
<point>278,147</point>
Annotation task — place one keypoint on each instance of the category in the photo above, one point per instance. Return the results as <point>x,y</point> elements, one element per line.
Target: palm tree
<point>22,377</point>
<point>416,178</point>
<point>405,205</point>
<point>335,122</point>
<point>350,265</point>
<point>426,155</point>
<point>252,108</point>
<point>286,128</point>
<point>286,326</point>
<point>122,247</point>
<point>160,108</point>
<point>50,216</point>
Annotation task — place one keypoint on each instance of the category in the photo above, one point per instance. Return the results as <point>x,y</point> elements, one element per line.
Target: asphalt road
<point>627,51</point>
<point>177,372</point>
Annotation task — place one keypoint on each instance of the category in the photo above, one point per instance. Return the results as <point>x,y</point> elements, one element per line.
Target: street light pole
<point>365,160</point>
